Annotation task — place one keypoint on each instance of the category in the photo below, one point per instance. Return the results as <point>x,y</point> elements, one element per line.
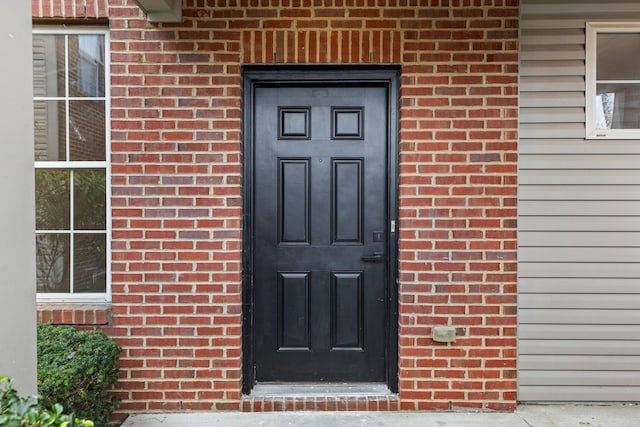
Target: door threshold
<point>319,389</point>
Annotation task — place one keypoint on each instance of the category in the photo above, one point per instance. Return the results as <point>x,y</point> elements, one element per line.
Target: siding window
<point>613,81</point>
<point>71,116</point>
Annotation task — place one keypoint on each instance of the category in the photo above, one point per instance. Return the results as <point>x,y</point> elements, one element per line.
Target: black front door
<point>320,223</point>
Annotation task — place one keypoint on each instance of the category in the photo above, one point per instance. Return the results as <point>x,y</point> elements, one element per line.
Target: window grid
<point>73,165</point>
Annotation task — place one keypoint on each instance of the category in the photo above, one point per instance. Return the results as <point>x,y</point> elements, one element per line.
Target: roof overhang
<point>161,10</point>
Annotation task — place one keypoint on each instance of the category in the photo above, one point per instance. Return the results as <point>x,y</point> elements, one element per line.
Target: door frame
<point>255,76</point>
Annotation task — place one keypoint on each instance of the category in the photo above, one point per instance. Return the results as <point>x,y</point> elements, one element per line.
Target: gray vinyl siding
<point>579,220</point>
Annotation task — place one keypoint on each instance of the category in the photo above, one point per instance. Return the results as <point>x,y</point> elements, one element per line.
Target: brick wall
<point>176,175</point>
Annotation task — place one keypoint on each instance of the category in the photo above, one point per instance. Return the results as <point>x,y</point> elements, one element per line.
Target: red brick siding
<point>86,315</point>
<point>176,175</point>
<point>71,9</point>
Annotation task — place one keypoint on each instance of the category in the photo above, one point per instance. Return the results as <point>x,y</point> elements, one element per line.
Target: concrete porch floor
<point>524,416</point>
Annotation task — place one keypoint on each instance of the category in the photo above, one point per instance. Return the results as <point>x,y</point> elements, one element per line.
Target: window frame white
<point>71,165</point>
<point>592,31</point>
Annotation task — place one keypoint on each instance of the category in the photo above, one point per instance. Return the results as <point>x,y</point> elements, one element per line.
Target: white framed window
<point>71,151</point>
<point>613,80</point>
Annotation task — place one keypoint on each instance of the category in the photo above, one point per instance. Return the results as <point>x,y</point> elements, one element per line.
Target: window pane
<point>52,199</point>
<point>618,106</point>
<point>52,263</point>
<point>89,198</point>
<point>48,65</point>
<point>90,263</point>
<point>87,130</point>
<point>50,131</point>
<point>617,57</point>
<point>86,65</point>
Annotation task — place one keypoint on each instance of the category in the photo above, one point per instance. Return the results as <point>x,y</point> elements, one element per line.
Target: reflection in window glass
<point>87,130</point>
<point>617,56</point>
<point>52,199</point>
<point>86,65</point>
<point>89,199</point>
<point>48,65</point>
<point>50,130</point>
<point>90,262</point>
<point>618,106</point>
<point>52,263</point>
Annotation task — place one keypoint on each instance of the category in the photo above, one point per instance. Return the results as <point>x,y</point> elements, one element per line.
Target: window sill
<point>609,134</point>
<point>74,314</point>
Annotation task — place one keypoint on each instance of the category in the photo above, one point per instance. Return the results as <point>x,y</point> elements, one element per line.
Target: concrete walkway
<point>525,416</point>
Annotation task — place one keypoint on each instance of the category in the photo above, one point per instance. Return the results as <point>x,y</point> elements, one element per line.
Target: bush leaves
<point>16,411</point>
<point>78,369</point>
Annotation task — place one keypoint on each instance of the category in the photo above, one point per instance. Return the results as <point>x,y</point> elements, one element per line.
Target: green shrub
<point>77,369</point>
<point>16,411</point>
